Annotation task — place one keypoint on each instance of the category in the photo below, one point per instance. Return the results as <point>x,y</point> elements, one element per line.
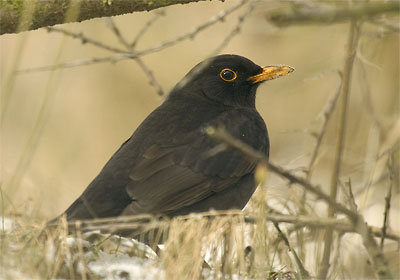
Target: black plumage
<point>169,166</point>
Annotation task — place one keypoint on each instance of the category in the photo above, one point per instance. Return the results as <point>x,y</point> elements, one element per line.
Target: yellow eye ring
<point>228,75</point>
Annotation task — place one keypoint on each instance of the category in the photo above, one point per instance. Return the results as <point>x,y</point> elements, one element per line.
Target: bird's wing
<point>190,168</point>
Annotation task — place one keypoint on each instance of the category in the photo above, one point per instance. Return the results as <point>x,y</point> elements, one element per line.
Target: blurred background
<point>60,126</point>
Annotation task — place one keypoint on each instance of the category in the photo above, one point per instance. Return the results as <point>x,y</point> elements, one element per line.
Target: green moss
<point>12,5</point>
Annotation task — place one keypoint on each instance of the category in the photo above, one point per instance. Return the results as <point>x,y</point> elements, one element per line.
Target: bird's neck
<point>201,97</point>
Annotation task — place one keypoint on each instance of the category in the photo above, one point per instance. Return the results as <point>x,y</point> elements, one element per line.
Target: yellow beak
<point>271,72</point>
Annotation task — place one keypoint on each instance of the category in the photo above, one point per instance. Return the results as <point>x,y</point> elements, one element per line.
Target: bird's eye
<point>228,75</point>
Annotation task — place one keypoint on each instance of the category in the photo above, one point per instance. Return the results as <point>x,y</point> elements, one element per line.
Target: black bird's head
<point>228,79</point>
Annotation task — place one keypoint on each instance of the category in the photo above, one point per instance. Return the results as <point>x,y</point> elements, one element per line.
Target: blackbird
<point>169,166</point>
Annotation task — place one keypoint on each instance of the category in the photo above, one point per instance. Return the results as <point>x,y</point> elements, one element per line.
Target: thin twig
<point>387,203</point>
<point>222,135</point>
<point>84,39</point>
<point>139,61</point>
<point>378,260</point>
<point>361,57</point>
<point>236,30</point>
<point>150,76</point>
<point>146,26</point>
<point>111,24</point>
<point>77,63</point>
<point>352,200</point>
<point>303,272</point>
<point>158,47</point>
<point>326,115</point>
<point>192,34</point>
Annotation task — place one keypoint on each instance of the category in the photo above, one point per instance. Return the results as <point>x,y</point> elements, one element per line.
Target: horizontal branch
<point>51,12</point>
<point>141,222</point>
<point>327,14</point>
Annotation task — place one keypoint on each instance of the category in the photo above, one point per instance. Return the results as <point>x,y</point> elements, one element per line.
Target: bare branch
<point>236,30</point>
<point>192,34</point>
<point>84,39</point>
<point>51,12</point>
<point>114,28</point>
<point>146,27</point>
<point>222,135</point>
<point>328,14</point>
<point>139,61</point>
<point>158,47</point>
<point>153,81</point>
<point>77,63</point>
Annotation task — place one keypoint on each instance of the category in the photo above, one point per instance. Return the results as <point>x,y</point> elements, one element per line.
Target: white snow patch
<point>124,267</point>
<point>6,224</point>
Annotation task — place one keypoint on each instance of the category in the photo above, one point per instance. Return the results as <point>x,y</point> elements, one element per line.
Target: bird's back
<point>175,131</point>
